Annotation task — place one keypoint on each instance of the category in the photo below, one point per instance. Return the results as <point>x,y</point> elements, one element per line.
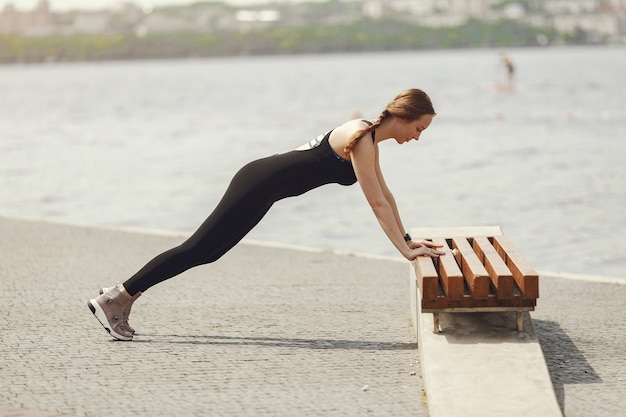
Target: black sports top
<point>304,169</point>
<point>320,165</point>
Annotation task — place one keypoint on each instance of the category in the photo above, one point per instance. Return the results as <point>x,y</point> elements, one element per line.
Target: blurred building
<point>37,22</point>
<point>605,19</point>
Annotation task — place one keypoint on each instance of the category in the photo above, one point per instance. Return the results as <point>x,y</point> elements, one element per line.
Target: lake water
<point>154,144</point>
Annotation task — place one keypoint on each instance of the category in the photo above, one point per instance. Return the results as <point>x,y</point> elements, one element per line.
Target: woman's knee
<point>194,254</point>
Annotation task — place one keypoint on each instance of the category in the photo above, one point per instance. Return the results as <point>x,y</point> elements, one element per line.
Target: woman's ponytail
<point>360,133</point>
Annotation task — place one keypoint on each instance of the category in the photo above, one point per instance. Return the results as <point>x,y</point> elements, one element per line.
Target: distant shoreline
<point>193,57</point>
<point>364,35</point>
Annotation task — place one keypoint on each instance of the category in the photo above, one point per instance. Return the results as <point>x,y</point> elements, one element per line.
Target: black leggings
<point>251,193</point>
<point>241,208</point>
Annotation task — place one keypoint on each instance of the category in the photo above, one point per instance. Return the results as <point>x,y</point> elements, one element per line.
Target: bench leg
<point>436,323</point>
<point>520,320</point>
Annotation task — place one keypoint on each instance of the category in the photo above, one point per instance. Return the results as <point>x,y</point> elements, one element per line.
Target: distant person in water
<point>509,69</point>
<point>344,155</point>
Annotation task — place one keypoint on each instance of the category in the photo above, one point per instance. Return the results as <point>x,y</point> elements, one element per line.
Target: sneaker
<point>127,307</point>
<point>110,308</point>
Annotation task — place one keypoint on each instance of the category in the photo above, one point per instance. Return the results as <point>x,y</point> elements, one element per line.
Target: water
<point>154,144</point>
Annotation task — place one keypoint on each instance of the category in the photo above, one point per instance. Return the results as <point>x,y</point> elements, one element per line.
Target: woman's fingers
<point>430,244</point>
<point>421,243</point>
<point>434,252</point>
<point>424,251</point>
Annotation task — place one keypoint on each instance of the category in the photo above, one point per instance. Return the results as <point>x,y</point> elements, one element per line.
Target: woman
<point>345,155</point>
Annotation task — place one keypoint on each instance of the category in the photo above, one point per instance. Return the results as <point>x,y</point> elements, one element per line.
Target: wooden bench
<point>485,273</point>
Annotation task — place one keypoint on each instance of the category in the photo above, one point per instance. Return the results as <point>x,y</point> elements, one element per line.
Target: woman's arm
<point>365,162</point>
<point>387,194</point>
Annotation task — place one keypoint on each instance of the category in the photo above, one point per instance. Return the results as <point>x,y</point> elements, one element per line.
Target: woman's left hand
<point>414,245</point>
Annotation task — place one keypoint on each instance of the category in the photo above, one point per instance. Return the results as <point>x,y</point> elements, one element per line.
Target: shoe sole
<point>102,318</point>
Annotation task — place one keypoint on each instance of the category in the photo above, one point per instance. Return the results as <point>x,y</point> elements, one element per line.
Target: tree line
<point>365,35</point>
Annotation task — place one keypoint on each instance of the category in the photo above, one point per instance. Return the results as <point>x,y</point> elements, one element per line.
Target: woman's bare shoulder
<point>341,135</point>
<point>357,123</point>
<point>351,126</point>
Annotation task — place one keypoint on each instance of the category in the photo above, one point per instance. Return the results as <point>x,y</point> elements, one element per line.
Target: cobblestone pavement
<point>262,332</point>
<point>581,327</point>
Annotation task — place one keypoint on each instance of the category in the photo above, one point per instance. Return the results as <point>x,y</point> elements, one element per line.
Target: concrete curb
<point>481,366</point>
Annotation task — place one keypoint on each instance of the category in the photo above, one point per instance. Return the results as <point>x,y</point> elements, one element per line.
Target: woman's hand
<point>414,245</point>
<point>422,248</point>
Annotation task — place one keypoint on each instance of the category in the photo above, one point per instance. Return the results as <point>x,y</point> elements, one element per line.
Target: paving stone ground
<point>265,331</point>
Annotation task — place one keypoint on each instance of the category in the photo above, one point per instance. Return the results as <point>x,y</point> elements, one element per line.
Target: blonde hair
<point>409,105</point>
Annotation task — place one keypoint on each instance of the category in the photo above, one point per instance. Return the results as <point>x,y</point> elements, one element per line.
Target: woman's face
<point>408,130</point>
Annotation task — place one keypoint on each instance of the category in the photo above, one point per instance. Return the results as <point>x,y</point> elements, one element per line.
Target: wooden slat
<point>500,275</point>
<point>427,278</point>
<point>475,273</point>
<point>524,274</point>
<point>469,302</point>
<point>450,273</point>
